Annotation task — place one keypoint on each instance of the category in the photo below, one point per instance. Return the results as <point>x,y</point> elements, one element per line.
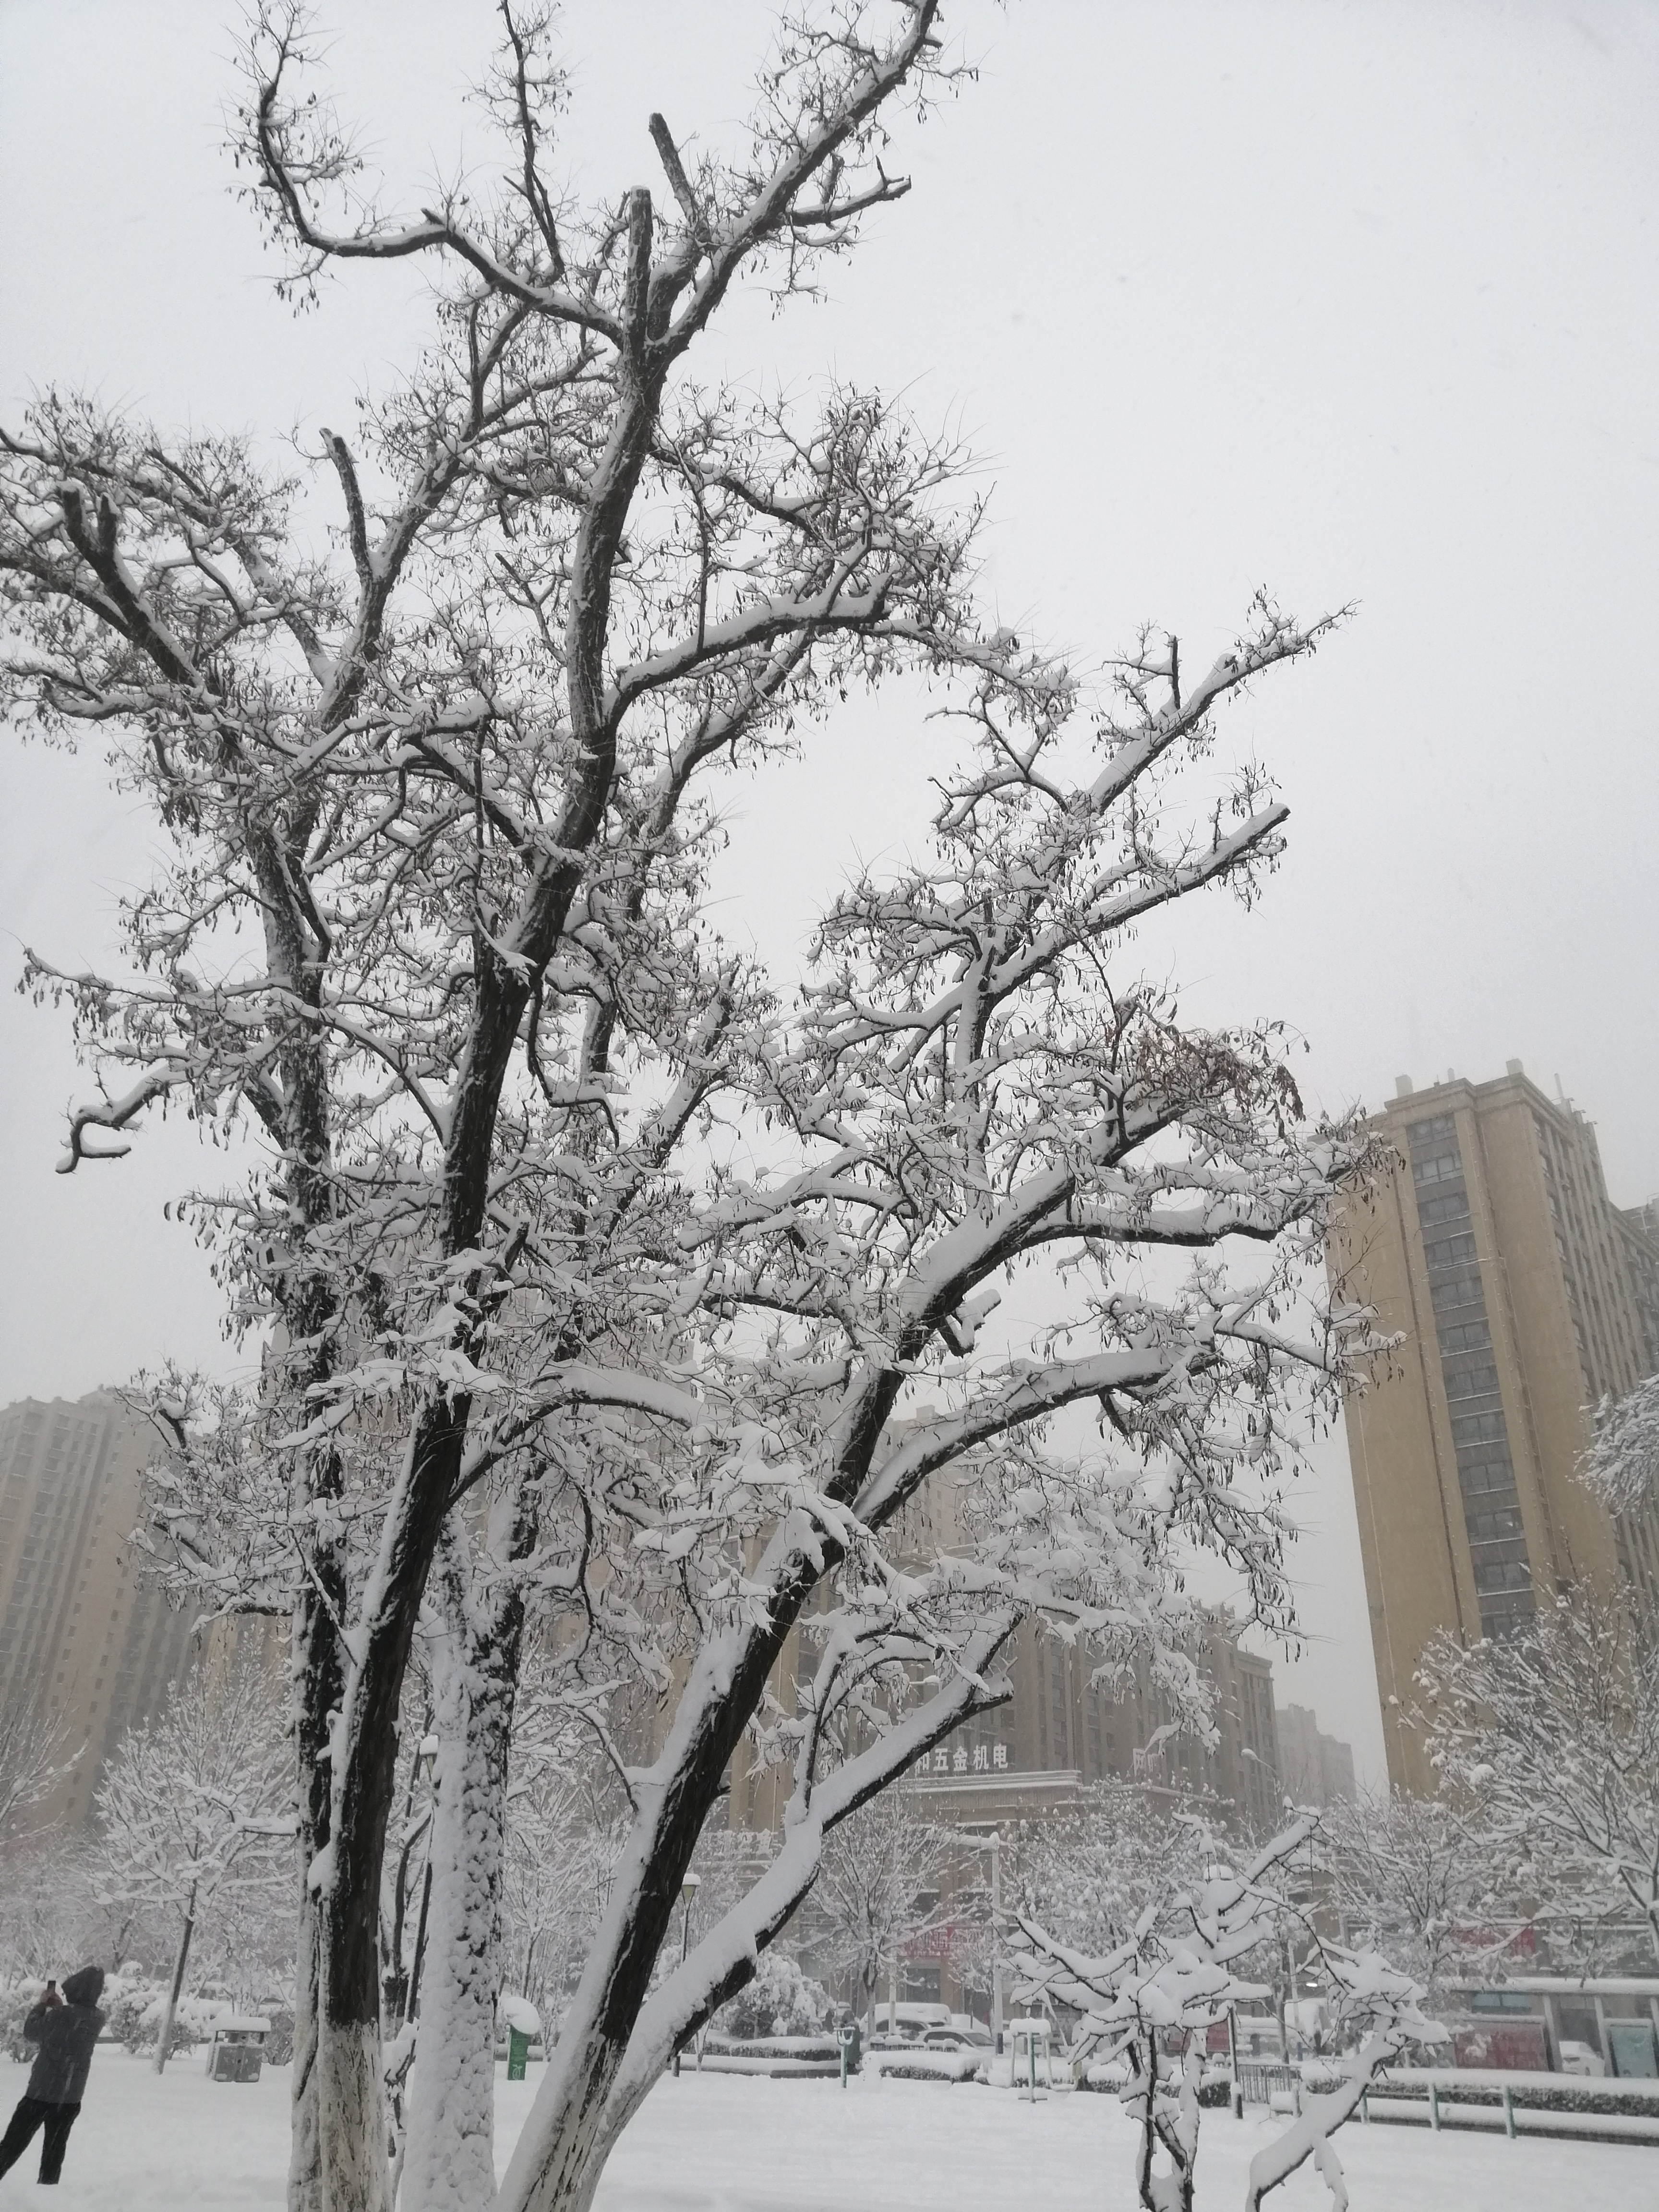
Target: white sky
<point>1356,301</point>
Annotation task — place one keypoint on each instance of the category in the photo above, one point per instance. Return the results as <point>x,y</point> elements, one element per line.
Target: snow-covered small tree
<point>565,1828</point>
<point>1169,1980</point>
<point>1379,2018</point>
<point>878,1889</point>
<point>196,1807</point>
<point>1551,1738</point>
<point>1176,1975</point>
<point>51,1914</point>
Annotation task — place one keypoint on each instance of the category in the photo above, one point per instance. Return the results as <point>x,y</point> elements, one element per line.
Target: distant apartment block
<point>1523,1297</point>
<point>1063,1730</point>
<point>82,1631</point>
<point>1314,1768</point>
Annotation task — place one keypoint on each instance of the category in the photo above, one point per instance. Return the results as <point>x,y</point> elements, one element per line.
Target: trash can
<point>523,2024</point>
<point>238,2049</point>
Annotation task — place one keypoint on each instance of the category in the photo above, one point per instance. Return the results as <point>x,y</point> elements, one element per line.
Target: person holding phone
<point>65,2028</point>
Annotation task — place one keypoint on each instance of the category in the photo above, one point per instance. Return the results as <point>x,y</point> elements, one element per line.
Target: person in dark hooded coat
<point>65,2033</point>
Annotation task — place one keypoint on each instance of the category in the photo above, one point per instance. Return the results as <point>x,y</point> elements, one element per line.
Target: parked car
<point>1580,2058</point>
<point>957,2038</point>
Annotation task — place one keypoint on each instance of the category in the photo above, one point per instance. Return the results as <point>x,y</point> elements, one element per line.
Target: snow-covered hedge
<point>774,2047</point>
<point>923,2065</point>
<point>1538,2092</point>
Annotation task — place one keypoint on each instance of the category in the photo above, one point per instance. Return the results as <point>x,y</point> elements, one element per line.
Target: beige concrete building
<point>1523,1297</point>
<point>83,1634</point>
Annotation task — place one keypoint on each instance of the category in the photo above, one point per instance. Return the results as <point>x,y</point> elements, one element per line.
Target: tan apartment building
<point>1522,1298</point>
<point>83,1635</point>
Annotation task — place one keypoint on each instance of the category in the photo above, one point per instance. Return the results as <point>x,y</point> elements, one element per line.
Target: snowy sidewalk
<point>730,2143</point>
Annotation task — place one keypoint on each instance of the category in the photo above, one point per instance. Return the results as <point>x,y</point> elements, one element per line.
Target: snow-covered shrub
<point>134,2012</point>
<point>780,2000</point>
<point>126,2013</point>
<point>14,2003</point>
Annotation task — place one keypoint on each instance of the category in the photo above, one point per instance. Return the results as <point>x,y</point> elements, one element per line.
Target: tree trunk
<point>351,2124</point>
<point>317,1689</point>
<point>305,2171</point>
<point>172,2004</point>
<point>449,2158</point>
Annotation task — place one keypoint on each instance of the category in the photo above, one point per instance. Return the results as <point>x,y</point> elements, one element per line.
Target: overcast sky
<point>1356,302</point>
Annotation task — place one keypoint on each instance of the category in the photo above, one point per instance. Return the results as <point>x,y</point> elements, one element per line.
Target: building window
<point>1453,1206</point>
<point>1449,1251</point>
<point>1478,1428</point>
<point>1485,1476</point>
<point>1467,1336</point>
<point>1472,1382</point>
<point>1437,1125</point>
<point>1503,1575</point>
<point>1502,1527</point>
<point>1440,1167</point>
<point>1511,1620</point>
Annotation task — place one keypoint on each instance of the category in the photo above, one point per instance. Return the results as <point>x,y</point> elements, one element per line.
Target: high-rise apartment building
<point>1522,1298</point>
<point>83,1635</point>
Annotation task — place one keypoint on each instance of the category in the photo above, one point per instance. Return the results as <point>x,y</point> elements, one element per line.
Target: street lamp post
<point>992,1843</point>
<point>688,1889</point>
<point>994,1846</point>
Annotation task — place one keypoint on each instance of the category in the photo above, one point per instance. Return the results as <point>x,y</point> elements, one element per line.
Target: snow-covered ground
<point>731,2143</point>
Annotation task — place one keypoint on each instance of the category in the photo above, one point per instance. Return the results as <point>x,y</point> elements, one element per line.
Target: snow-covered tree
<point>51,1910</point>
<point>1379,2017</point>
<point>35,1754</point>
<point>1552,1740</point>
<point>196,1812</point>
<point>1088,1877</point>
<point>878,1889</point>
<point>565,1827</point>
<point>1420,1880</point>
<point>1622,1464</point>
<point>1172,1977</point>
<point>436,793</point>
<point>1177,1974</point>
